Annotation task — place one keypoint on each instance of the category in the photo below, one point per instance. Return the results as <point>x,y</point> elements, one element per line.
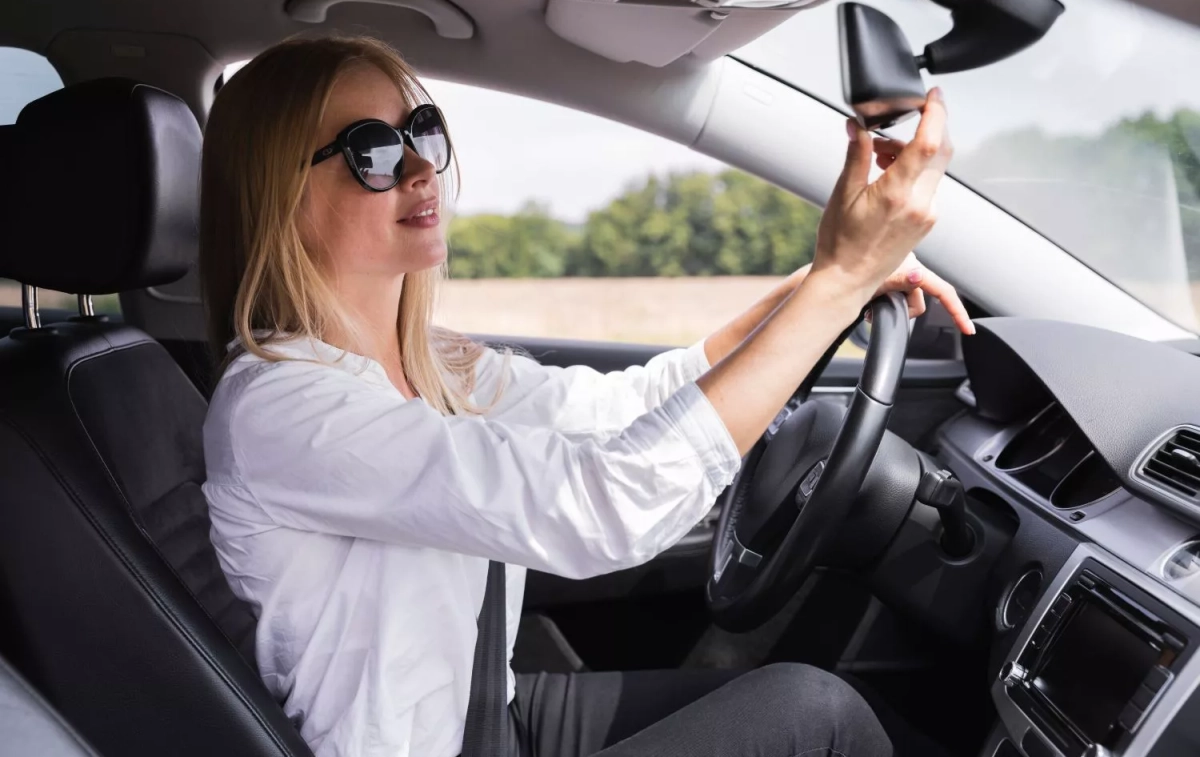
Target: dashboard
<point>1080,452</point>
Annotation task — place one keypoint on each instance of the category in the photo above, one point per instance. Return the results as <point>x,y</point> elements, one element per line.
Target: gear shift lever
<point>941,490</point>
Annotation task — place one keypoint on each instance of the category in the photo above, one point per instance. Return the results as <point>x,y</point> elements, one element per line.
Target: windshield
<point>1091,136</point>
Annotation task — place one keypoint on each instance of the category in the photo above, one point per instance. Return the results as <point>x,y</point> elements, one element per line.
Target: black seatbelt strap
<point>486,731</point>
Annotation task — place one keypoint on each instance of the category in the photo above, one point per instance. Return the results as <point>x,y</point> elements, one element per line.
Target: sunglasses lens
<point>429,137</point>
<point>378,153</point>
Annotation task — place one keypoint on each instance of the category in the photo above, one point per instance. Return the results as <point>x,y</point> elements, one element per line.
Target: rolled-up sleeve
<point>579,398</point>
<point>320,449</point>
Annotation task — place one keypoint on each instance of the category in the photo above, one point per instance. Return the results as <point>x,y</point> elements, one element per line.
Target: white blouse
<point>358,524</point>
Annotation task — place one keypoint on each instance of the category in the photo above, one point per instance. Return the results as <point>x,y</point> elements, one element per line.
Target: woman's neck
<point>375,308</point>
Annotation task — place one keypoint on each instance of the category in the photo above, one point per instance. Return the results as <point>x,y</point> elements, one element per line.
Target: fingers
<point>858,159</point>
<point>930,149</point>
<point>917,281</point>
<point>886,150</point>
<point>916,302</point>
<point>888,146</point>
<point>936,286</point>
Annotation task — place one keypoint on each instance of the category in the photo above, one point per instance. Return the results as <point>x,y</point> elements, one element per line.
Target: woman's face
<point>362,233</point>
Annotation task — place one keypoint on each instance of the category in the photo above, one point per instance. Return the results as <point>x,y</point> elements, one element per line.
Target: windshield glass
<point>1091,136</point>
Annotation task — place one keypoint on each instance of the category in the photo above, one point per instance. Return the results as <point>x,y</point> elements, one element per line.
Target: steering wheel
<point>797,484</point>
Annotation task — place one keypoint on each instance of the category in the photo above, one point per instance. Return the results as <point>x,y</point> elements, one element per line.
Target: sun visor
<point>660,32</point>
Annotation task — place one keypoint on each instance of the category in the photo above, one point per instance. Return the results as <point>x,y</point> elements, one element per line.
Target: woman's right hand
<point>866,232</point>
<point>868,228</point>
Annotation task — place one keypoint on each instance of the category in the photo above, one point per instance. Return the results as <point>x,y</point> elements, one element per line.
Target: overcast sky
<point>1103,60</point>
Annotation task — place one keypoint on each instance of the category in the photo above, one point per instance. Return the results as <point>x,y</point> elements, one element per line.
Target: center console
<point>1105,662</point>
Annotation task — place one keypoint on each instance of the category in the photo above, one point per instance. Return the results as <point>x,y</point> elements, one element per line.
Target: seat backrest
<point>29,726</point>
<point>118,611</point>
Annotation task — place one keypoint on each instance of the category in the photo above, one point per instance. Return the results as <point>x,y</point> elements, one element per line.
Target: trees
<point>529,244</point>
<point>685,224</point>
<point>1106,197</point>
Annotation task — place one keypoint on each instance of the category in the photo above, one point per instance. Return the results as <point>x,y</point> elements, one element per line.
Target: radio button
<point>1142,697</point>
<point>1131,717</point>
<point>1156,678</point>
<point>1041,635</point>
<point>1060,605</point>
<point>1039,638</point>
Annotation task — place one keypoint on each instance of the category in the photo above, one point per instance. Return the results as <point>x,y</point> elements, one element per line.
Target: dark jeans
<point>782,710</point>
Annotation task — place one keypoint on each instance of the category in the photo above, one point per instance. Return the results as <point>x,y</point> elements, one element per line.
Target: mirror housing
<point>987,31</point>
<point>881,79</point>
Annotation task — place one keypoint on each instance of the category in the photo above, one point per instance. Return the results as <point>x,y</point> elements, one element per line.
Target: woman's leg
<point>578,714</point>
<point>783,710</point>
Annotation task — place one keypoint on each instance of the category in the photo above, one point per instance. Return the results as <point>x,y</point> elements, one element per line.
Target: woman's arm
<point>912,278</point>
<point>318,449</point>
<point>579,399</point>
<point>866,232</point>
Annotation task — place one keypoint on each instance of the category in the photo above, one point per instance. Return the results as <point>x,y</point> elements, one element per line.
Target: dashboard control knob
<point>1013,673</point>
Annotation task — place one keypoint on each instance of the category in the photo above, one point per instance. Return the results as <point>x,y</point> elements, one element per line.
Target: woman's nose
<point>417,170</point>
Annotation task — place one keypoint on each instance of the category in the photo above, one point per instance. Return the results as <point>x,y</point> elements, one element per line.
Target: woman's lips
<point>426,221</point>
<point>423,216</point>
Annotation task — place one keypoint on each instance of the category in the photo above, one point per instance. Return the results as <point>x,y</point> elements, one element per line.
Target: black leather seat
<point>112,602</point>
<point>31,728</point>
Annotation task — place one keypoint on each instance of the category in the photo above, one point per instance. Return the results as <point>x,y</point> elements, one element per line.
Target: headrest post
<point>85,306</point>
<point>29,304</point>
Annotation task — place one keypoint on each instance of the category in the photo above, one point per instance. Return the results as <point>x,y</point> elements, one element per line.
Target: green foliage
<point>529,244</point>
<point>686,224</point>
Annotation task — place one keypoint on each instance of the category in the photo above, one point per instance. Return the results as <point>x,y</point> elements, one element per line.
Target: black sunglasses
<point>374,149</point>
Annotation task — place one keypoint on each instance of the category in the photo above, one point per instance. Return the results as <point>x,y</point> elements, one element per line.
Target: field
<point>650,311</point>
<point>663,311</point>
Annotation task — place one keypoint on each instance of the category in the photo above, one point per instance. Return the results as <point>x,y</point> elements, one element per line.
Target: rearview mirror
<point>881,78</point>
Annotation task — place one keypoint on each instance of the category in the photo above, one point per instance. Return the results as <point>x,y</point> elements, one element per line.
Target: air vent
<point>1175,463</point>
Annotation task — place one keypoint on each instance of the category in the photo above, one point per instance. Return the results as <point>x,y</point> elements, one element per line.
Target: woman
<point>364,467</point>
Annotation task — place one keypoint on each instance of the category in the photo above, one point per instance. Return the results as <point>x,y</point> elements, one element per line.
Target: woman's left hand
<point>916,281</point>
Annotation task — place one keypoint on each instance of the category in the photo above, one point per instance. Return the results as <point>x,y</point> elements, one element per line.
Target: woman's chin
<point>426,256</point>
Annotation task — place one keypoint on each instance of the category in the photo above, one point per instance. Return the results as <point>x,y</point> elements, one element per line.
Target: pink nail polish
<point>914,277</point>
<point>851,130</point>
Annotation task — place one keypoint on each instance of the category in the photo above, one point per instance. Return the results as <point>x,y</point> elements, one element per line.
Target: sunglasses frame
<point>342,144</point>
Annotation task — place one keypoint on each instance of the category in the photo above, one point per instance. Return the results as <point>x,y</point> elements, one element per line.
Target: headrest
<point>103,189</point>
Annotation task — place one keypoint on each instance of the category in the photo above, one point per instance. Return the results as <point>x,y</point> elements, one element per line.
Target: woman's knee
<point>826,711</point>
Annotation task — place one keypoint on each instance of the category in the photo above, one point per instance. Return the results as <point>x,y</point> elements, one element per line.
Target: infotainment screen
<point>1094,668</point>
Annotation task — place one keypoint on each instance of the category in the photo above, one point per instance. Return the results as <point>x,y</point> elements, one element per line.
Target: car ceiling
<point>182,46</point>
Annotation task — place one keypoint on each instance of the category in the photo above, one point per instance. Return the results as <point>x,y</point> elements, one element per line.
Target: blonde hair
<point>260,283</point>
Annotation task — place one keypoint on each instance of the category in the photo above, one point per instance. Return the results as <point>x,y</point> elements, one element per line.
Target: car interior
<point>993,538</point>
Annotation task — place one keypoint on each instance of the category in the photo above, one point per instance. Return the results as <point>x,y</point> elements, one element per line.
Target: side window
<point>571,226</point>
<point>25,76</point>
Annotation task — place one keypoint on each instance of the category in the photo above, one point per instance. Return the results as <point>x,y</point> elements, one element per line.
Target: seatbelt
<point>486,730</point>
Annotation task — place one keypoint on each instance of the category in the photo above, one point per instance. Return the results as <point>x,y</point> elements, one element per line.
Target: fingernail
<point>914,276</point>
<point>936,94</point>
<point>972,328</point>
<point>851,130</point>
